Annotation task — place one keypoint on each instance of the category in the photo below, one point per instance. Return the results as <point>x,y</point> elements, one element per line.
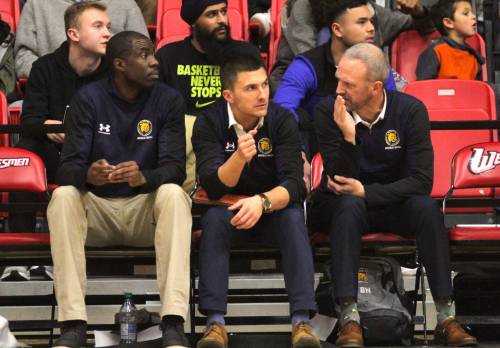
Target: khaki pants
<point>78,218</point>
<point>188,184</point>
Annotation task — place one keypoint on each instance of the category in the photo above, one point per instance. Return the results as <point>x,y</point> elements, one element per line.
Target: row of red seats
<point>446,100</point>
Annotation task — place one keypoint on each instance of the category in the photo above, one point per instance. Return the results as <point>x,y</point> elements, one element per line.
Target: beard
<point>210,43</point>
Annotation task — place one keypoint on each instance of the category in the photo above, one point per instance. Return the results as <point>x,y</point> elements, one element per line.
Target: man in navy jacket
<point>378,161</point>
<point>121,166</point>
<point>249,147</point>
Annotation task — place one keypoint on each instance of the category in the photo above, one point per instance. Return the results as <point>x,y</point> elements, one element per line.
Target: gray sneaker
<point>73,334</point>
<point>15,273</point>
<point>45,272</point>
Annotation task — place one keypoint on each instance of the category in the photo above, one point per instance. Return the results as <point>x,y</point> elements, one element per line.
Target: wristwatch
<point>266,203</point>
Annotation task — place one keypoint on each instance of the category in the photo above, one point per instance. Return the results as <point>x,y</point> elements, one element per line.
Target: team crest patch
<point>392,139</point>
<point>144,128</point>
<point>265,147</point>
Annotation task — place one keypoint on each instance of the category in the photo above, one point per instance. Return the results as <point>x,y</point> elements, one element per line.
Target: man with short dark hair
<point>249,147</point>
<point>53,81</point>
<point>378,172</point>
<point>121,166</point>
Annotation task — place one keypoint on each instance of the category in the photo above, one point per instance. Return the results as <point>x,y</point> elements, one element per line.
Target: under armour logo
<point>104,129</point>
<point>230,146</point>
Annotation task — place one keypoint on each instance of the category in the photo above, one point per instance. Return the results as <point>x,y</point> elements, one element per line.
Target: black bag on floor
<point>383,305</point>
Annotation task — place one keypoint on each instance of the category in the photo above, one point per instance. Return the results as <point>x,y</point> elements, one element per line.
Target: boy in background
<point>451,57</point>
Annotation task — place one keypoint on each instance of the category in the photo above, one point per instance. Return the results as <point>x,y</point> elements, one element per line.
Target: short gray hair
<point>373,58</point>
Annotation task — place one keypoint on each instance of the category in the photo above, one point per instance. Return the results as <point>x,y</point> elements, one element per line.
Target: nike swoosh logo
<point>202,105</point>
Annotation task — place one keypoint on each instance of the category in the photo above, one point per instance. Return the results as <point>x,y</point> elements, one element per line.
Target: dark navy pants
<point>284,229</point>
<point>348,218</point>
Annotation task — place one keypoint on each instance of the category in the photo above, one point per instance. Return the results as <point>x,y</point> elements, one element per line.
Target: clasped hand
<point>101,172</point>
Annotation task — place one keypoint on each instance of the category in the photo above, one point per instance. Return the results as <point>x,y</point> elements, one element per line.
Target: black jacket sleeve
<point>419,163</point>
<point>171,148</point>
<point>288,160</point>
<point>428,64</point>
<point>35,109</point>
<point>74,162</point>
<point>209,157</point>
<point>339,156</point>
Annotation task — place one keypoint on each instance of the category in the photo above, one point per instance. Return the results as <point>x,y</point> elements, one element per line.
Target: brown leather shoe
<point>350,336</point>
<point>303,336</point>
<point>451,333</point>
<point>214,336</point>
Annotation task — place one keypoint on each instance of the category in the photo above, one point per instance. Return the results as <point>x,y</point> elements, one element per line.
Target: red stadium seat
<point>170,27</point>
<point>475,166</point>
<point>408,46</point>
<point>22,170</point>
<point>275,33</point>
<point>9,12</point>
<point>455,100</point>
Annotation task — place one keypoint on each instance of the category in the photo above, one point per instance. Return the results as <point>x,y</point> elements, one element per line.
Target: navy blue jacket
<point>101,124</point>
<point>277,163</point>
<point>394,160</point>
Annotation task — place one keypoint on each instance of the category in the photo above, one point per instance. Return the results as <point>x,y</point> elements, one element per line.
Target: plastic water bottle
<point>128,320</point>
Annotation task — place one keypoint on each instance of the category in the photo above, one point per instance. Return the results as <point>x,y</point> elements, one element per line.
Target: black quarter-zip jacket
<point>277,163</point>
<point>101,124</point>
<point>50,87</point>
<point>394,160</point>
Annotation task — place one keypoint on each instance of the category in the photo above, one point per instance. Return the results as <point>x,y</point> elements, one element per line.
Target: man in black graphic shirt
<point>192,65</point>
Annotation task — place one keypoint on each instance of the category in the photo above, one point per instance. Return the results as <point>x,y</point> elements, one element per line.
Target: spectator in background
<point>53,81</point>
<point>192,65</point>
<point>41,27</point>
<point>121,167</point>
<point>7,71</point>
<point>451,57</point>
<point>300,27</point>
